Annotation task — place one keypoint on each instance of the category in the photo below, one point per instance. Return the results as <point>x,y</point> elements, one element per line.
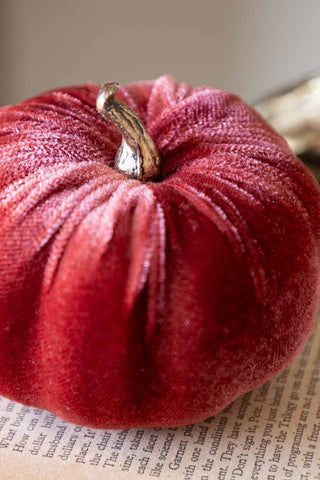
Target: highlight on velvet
<point>126,302</point>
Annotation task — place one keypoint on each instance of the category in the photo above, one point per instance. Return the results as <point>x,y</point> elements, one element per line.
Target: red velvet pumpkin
<point>127,303</point>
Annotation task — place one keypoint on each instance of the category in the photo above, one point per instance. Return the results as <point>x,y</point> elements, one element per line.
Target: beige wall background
<point>248,46</point>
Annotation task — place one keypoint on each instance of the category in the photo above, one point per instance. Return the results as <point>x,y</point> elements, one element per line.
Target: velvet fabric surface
<point>128,304</point>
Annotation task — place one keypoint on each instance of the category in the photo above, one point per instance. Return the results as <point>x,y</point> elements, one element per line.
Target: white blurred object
<point>295,113</point>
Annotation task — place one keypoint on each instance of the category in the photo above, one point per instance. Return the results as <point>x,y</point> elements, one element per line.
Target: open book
<point>270,433</point>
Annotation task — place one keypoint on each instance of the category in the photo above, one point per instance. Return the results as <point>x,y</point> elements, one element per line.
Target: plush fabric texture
<point>129,304</point>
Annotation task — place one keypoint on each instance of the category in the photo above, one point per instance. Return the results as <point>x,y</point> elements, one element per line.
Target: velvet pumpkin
<point>127,303</point>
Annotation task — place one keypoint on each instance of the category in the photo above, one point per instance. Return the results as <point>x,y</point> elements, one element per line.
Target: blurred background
<point>250,47</point>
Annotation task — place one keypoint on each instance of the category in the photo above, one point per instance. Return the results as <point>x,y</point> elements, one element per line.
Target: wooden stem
<point>137,156</point>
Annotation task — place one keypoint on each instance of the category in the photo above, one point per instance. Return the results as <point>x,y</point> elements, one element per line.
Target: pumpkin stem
<point>137,156</point>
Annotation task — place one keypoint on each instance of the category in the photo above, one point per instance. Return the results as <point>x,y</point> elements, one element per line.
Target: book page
<point>270,433</point>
